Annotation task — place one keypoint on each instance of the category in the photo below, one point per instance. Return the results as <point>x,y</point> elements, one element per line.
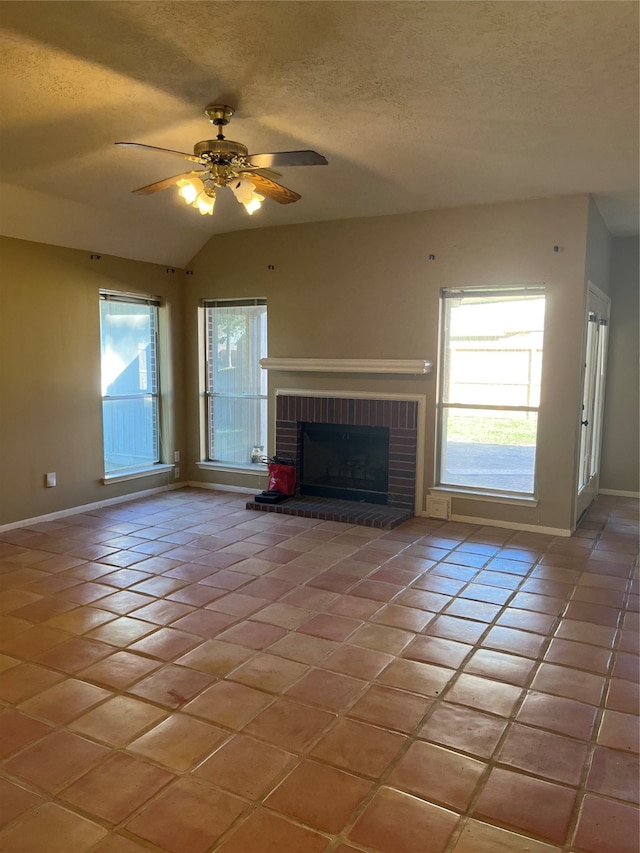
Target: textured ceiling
<point>416,106</point>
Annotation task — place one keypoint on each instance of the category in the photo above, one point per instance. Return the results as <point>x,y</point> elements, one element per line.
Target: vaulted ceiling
<point>415,105</point>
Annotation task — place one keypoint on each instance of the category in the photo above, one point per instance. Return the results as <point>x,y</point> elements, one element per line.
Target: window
<point>236,385</point>
<point>489,393</point>
<point>128,337</point>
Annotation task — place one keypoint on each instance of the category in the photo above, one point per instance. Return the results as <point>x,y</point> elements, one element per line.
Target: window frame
<point>443,406</point>
<point>155,394</point>
<point>209,396</point>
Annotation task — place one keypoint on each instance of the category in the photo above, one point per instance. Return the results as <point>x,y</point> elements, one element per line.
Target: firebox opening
<point>345,462</point>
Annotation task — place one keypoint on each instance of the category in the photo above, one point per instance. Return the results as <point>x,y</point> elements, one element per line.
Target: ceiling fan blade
<point>266,173</point>
<point>162,185</point>
<point>192,157</point>
<point>272,190</point>
<point>280,159</point>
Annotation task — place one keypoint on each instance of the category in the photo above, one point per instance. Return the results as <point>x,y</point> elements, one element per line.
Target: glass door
<point>595,365</point>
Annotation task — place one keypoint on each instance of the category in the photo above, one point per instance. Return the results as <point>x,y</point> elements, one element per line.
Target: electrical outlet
<point>176,473</point>
<point>176,456</point>
<point>439,507</point>
<point>50,480</point>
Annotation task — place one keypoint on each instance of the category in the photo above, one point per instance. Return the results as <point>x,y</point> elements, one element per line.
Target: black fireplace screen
<point>345,462</point>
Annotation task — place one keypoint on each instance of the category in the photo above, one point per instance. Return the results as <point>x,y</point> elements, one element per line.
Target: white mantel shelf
<point>349,365</point>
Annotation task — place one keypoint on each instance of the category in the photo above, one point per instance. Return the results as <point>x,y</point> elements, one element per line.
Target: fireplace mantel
<point>349,365</point>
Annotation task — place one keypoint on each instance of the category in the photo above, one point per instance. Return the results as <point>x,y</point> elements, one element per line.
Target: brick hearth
<point>399,416</point>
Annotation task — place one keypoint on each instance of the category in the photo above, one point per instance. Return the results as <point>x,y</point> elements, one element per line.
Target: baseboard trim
<point>74,510</point>
<point>510,525</point>
<point>619,493</point>
<point>220,487</point>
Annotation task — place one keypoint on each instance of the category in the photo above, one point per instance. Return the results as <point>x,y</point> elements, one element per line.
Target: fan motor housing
<point>220,150</point>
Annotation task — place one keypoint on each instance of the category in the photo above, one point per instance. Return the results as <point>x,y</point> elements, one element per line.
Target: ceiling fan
<point>228,164</point>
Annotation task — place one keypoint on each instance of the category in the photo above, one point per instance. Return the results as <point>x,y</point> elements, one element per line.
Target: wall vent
<point>439,507</point>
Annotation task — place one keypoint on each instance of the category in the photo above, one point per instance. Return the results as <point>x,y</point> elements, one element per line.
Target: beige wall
<point>620,469</point>
<point>350,289</point>
<point>365,288</point>
<point>50,415</point>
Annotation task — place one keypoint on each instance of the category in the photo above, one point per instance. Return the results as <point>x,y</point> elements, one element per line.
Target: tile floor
<point>182,675</point>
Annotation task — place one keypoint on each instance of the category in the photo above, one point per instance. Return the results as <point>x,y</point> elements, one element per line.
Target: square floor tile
<point>464,729</point>
<point>545,754</point>
<point>17,730</point>
<point>437,774</point>
<point>484,694</point>
<point>356,661</point>
<point>570,683</point>
<point>381,638</point>
<point>228,704</point>
<point>614,773</point>
<point>31,642</point>
<point>500,666</point>
<point>120,669</point>
<point>122,631</point>
<point>284,615</point>
<point>409,618</point>
<point>163,611</point>
<point>620,731</point>
<point>81,620</point>
<point>263,832</point>
<point>118,720</point>
<point>14,801</point>
<point>25,680</point>
<point>422,678</point>
<point>359,747</point>
<point>215,657</point>
<point>254,635</point>
<point>187,818</point>
<point>319,796</point>
<point>478,837</point>
<point>52,828</point>
<point>65,701</point>
<point>437,650</point>
<point>55,760</point>
<point>455,628</point>
<point>204,623</point>
<point>124,602</point>
<point>116,843</point>
<point>166,644</point>
<point>526,804</point>
<point>290,725</point>
<point>328,690</point>
<point>302,648</point>
<point>116,787</point>
<point>395,822</point>
<point>172,686</point>
<point>330,626</point>
<point>269,672</point>
<point>178,742</point>
<point>245,766</point>
<point>390,708</point>
<point>605,826</point>
<point>558,714</point>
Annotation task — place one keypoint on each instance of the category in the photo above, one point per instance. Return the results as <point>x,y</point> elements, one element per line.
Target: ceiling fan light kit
<point>228,164</point>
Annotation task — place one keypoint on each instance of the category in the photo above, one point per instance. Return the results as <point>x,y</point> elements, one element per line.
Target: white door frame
<point>594,350</point>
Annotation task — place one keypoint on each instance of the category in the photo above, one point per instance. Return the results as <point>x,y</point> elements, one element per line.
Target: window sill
<point>136,473</point>
<point>259,469</point>
<point>486,497</point>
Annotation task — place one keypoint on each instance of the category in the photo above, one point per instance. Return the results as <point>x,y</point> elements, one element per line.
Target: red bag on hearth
<point>282,475</point>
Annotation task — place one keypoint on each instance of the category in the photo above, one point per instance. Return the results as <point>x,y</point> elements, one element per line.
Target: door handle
<point>584,423</point>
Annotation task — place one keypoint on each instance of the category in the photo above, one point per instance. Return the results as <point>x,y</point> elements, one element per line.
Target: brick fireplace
<point>400,417</point>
